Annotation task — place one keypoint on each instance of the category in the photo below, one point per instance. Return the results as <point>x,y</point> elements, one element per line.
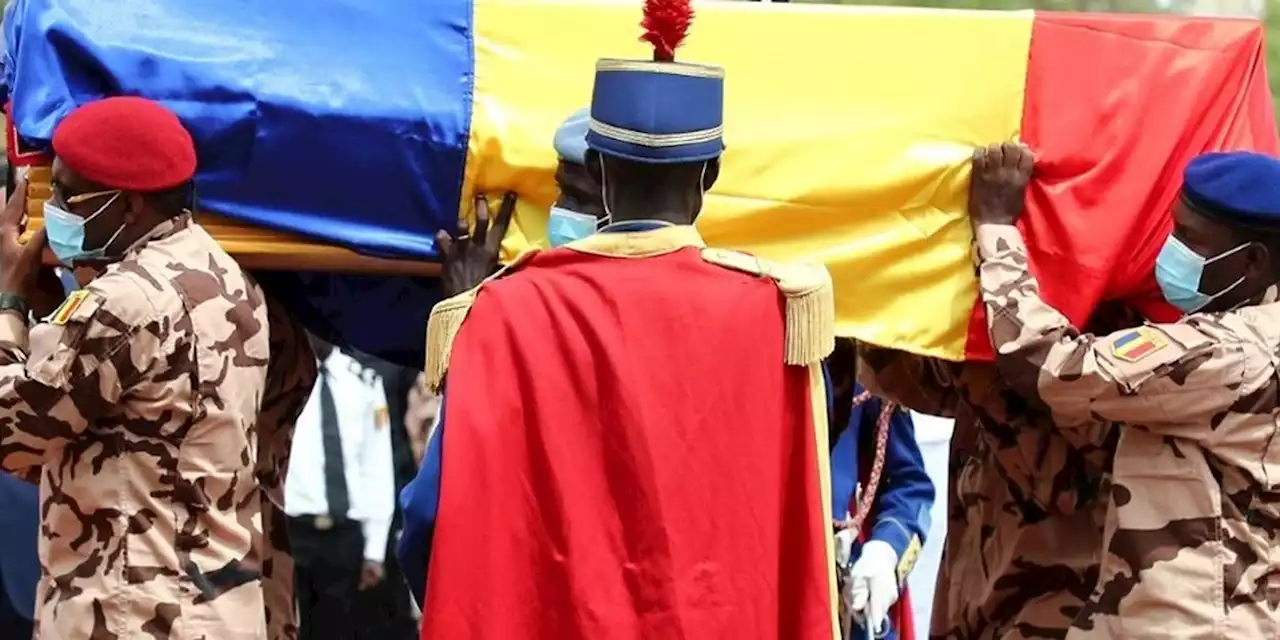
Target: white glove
<point>874,584</point>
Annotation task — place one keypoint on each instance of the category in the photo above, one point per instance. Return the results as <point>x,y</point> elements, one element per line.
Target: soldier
<point>1191,536</point>
<point>291,376</point>
<point>136,399</point>
<point>1025,508</point>
<point>881,497</point>
<point>601,474</point>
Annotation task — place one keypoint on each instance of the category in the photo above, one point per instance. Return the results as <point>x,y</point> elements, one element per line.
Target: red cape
<point>626,456</point>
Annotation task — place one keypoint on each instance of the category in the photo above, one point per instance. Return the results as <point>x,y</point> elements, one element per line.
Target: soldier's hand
<point>469,258</point>
<point>46,294</point>
<point>999,183</point>
<point>370,574</point>
<point>19,263</point>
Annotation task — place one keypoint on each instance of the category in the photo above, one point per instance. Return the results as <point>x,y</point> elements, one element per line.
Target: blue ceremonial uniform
<point>901,514</point>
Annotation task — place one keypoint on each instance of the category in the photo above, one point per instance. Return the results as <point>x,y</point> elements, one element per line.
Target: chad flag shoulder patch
<point>68,308</point>
<point>1136,344</point>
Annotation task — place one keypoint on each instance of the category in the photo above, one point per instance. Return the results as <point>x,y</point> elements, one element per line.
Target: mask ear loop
<point>1229,288</point>
<point>119,229</point>
<point>604,196</point>
<point>702,187</point>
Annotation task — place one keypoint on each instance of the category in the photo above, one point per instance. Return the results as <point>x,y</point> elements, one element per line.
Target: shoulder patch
<point>736,260</point>
<point>381,418</point>
<point>1137,344</point>
<point>79,305</point>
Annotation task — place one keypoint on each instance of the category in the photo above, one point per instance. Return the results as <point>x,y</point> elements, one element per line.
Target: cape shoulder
<point>810,296</point>
<point>810,309</point>
<point>446,319</point>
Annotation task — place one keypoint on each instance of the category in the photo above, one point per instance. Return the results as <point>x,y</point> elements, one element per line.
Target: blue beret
<point>1239,187</point>
<point>571,137</point>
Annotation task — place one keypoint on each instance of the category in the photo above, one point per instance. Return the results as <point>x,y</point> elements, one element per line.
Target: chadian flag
<point>848,133</point>
<point>849,130</point>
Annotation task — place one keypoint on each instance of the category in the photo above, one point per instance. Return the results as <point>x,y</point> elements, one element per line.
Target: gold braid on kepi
<point>658,111</point>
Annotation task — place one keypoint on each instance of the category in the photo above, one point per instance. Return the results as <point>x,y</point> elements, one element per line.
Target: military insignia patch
<point>381,417</point>
<point>1137,344</point>
<point>63,313</point>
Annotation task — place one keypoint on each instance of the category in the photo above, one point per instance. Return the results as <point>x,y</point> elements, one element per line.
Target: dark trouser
<point>385,611</point>
<point>12,625</point>
<point>327,564</point>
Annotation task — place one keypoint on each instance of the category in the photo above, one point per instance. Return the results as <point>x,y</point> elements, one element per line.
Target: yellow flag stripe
<point>848,131</point>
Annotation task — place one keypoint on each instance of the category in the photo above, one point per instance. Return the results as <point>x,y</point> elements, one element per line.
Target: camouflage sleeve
<point>923,384</point>
<point>1172,378</point>
<point>291,374</point>
<point>60,377</point>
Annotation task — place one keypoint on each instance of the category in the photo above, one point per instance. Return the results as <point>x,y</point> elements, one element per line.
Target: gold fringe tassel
<point>442,327</point>
<point>811,318</point>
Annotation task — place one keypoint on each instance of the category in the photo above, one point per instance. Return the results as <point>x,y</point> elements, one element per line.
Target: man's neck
<point>654,216</point>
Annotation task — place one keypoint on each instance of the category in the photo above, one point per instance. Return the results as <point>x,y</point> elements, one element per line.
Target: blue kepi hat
<point>658,111</point>
<point>571,138</point>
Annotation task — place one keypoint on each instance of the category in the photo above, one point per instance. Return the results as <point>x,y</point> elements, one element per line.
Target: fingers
<point>506,211</point>
<point>482,220</point>
<point>877,614</point>
<point>979,160</point>
<point>35,246</point>
<point>1012,153</point>
<point>1005,155</point>
<point>445,242</point>
<point>844,547</point>
<point>861,595</point>
<point>1026,159</point>
<point>995,156</point>
<point>15,211</point>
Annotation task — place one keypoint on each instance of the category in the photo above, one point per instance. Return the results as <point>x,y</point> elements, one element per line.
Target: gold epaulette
<point>811,302</point>
<point>446,319</point>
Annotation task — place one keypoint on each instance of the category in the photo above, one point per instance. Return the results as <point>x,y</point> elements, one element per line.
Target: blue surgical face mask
<point>65,231</point>
<point>565,226</point>
<point>1179,270</point>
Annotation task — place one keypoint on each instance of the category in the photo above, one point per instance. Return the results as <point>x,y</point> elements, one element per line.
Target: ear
<point>136,206</point>
<point>1257,262</point>
<point>711,175</point>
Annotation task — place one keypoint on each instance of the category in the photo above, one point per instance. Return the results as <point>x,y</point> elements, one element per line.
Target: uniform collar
<point>162,230</point>
<point>657,241</point>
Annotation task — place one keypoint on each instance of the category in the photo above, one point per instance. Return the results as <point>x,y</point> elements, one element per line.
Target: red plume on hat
<point>666,23</point>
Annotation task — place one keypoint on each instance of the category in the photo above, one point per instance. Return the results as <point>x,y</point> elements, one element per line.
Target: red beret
<point>126,143</point>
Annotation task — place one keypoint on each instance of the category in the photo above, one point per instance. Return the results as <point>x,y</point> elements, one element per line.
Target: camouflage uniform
<point>1024,523</point>
<point>291,375</point>
<point>1191,538</point>
<point>137,399</point>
